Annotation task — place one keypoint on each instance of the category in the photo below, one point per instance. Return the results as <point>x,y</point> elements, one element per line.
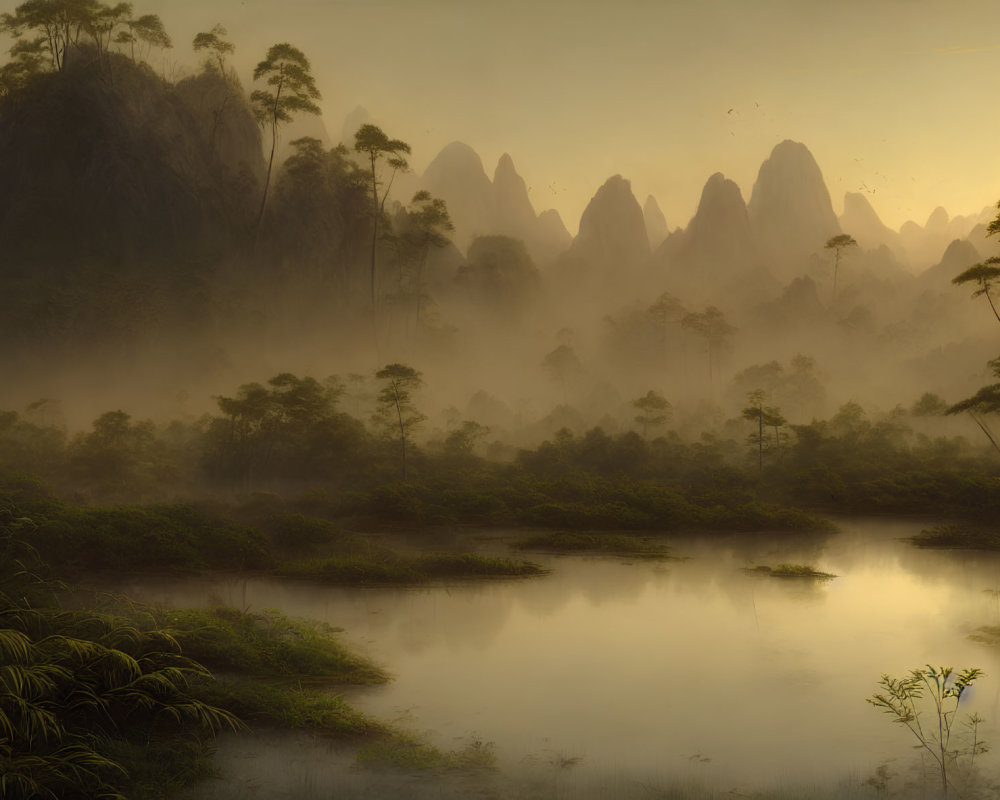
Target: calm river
<point>618,671</point>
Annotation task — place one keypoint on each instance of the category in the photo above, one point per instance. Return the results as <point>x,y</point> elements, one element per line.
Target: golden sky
<point>893,97</point>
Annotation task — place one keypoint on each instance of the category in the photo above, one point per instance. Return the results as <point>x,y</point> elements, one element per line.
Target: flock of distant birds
<point>864,187</point>
<point>554,188</point>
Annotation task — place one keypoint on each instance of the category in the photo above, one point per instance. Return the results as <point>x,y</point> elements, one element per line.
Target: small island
<point>789,571</point>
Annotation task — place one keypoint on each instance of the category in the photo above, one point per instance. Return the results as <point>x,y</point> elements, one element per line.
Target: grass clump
<point>161,538</point>
<point>304,536</point>
<point>162,770</point>
<point>351,569</point>
<point>473,565</point>
<point>289,707</point>
<point>790,571</point>
<point>611,543</point>
<point>82,692</point>
<point>402,750</point>
<point>266,644</point>
<point>357,569</point>
<point>965,537</point>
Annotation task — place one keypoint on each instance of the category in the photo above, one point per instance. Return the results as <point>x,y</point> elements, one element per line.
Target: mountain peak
<point>790,209</point>
<point>656,224</point>
<point>856,203</point>
<point>721,201</point>
<point>514,213</point>
<point>612,228</point>
<point>862,222</point>
<point>505,164</point>
<point>717,243</point>
<point>938,220</point>
<point>456,174</point>
<point>458,154</point>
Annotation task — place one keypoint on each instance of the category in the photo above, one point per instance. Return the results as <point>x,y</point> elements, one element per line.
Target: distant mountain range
<point>787,221</point>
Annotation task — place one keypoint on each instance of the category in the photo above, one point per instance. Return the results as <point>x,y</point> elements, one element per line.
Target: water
<point>635,671</point>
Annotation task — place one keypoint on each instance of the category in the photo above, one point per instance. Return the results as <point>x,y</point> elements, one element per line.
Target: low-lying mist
<point>170,281</point>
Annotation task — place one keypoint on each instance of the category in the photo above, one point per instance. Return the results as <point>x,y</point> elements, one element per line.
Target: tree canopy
<point>373,142</point>
<point>984,275</point>
<point>291,90</point>
<point>56,26</point>
<point>712,326</point>
<point>218,47</point>
<point>838,244</point>
<point>394,405</point>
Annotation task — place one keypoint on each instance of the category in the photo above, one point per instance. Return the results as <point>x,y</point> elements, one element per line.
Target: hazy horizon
<point>889,99</point>
<point>595,298</point>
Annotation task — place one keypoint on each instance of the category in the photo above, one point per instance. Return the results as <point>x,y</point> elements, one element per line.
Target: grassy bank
<point>962,536</point>
<point>356,569</point>
<point>594,542</point>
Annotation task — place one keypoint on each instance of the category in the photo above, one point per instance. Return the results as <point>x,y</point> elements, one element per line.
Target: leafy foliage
<point>904,701</point>
<point>378,147</point>
<point>395,407</point>
<point>984,275</point>
<point>320,220</point>
<point>654,410</point>
<point>217,46</point>
<point>151,538</point>
<point>712,326</point>
<point>291,90</point>
<point>839,244</point>
<point>77,688</point>
<point>291,428</point>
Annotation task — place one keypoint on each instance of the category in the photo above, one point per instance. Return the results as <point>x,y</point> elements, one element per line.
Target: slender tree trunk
<point>985,429</point>
<point>942,741</point>
<point>270,165</point>
<point>760,440</point>
<point>836,266</point>
<point>375,215</point>
<point>402,430</point>
<point>267,183</point>
<point>217,117</point>
<point>986,291</point>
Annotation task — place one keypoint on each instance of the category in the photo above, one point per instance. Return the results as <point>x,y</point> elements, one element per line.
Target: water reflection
<point>694,667</point>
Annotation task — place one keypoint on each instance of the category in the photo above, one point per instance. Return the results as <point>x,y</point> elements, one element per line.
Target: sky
<point>892,97</point>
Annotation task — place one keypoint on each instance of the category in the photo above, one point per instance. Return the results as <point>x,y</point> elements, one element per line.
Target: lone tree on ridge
<point>838,244</point>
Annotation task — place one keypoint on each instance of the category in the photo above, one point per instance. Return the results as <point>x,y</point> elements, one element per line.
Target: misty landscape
<point>495,442</point>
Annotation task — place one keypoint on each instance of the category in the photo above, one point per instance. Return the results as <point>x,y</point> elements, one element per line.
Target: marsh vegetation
<point>507,662</point>
<point>372,490</point>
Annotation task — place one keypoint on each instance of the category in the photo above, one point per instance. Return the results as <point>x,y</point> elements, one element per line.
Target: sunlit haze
<point>512,399</point>
<point>892,97</point>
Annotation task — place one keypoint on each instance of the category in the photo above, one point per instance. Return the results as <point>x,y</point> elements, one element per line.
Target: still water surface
<point>689,668</point>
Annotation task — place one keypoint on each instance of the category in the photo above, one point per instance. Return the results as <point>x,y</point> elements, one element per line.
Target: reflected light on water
<point>693,667</point>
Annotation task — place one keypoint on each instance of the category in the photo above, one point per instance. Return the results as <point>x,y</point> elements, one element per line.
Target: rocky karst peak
<point>612,228</point>
<point>790,210</point>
